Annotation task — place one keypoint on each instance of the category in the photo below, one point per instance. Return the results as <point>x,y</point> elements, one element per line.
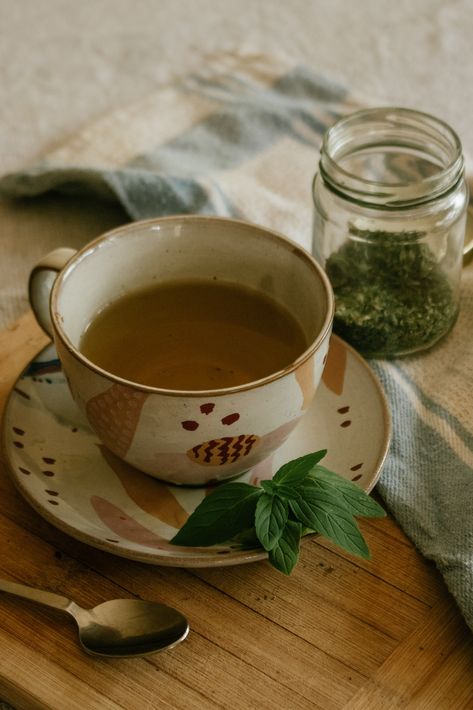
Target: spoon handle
<point>56,601</point>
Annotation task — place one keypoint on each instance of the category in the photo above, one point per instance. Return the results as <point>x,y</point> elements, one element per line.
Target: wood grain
<point>18,344</point>
<point>338,633</point>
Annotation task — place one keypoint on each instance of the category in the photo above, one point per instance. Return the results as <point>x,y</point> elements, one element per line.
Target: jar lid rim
<point>367,126</point>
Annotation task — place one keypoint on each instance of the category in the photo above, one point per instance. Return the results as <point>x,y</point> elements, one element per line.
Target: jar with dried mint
<point>390,202</point>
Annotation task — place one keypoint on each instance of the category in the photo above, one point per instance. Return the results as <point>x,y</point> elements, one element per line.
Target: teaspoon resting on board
<point>119,627</point>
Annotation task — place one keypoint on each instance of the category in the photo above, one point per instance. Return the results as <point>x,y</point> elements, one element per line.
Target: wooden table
<point>338,633</point>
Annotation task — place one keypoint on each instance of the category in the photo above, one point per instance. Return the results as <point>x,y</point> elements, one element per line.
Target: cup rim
<point>121,230</point>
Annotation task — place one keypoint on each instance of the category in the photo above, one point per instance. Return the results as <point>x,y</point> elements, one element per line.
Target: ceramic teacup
<point>148,426</point>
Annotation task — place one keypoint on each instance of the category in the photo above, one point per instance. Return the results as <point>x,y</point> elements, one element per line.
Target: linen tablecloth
<point>240,137</point>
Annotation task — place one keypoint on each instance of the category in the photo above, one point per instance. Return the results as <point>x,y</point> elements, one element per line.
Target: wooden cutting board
<point>337,633</point>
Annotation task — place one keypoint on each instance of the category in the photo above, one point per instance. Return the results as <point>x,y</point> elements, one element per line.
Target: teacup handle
<point>41,281</point>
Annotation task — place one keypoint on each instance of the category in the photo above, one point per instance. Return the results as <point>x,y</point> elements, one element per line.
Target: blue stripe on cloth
<point>181,175</point>
<point>236,132</point>
<point>145,194</point>
<point>429,489</point>
<point>453,422</point>
<point>300,84</point>
<point>229,209</point>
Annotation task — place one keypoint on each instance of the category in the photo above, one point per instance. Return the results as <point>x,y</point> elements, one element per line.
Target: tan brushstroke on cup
<point>144,425</point>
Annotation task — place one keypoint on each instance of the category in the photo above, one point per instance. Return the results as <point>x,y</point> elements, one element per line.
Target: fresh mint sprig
<point>302,497</point>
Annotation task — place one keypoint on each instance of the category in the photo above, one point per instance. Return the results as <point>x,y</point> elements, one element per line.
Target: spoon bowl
<point>129,627</point>
<point>118,628</point>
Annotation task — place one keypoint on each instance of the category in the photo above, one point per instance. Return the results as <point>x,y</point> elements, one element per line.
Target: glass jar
<point>390,202</point>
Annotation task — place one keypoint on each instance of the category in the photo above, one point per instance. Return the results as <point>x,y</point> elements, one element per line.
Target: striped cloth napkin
<point>240,138</point>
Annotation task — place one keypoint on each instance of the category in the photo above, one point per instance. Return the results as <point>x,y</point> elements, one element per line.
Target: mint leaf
<point>326,514</point>
<point>286,552</point>
<point>295,471</point>
<point>268,487</point>
<point>247,540</point>
<point>284,491</point>
<point>310,500</point>
<point>270,518</point>
<point>302,497</point>
<point>357,501</point>
<point>227,511</point>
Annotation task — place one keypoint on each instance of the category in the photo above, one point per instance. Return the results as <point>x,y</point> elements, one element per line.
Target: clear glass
<point>390,202</point>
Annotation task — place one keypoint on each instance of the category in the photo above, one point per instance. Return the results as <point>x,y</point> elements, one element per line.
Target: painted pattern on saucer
<point>78,485</point>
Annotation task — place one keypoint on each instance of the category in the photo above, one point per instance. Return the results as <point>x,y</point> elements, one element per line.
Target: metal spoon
<point>119,627</point>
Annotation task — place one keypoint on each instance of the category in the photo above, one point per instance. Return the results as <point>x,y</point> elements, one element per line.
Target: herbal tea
<point>193,335</point>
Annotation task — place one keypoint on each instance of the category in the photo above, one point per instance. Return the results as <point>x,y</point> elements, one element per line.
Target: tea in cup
<point>192,344</point>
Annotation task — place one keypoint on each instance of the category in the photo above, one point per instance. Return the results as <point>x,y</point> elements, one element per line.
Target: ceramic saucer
<point>76,484</point>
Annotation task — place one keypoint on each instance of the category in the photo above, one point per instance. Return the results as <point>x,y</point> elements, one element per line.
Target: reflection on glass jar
<point>390,203</point>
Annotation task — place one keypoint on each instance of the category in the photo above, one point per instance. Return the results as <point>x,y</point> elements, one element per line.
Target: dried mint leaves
<point>391,296</point>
